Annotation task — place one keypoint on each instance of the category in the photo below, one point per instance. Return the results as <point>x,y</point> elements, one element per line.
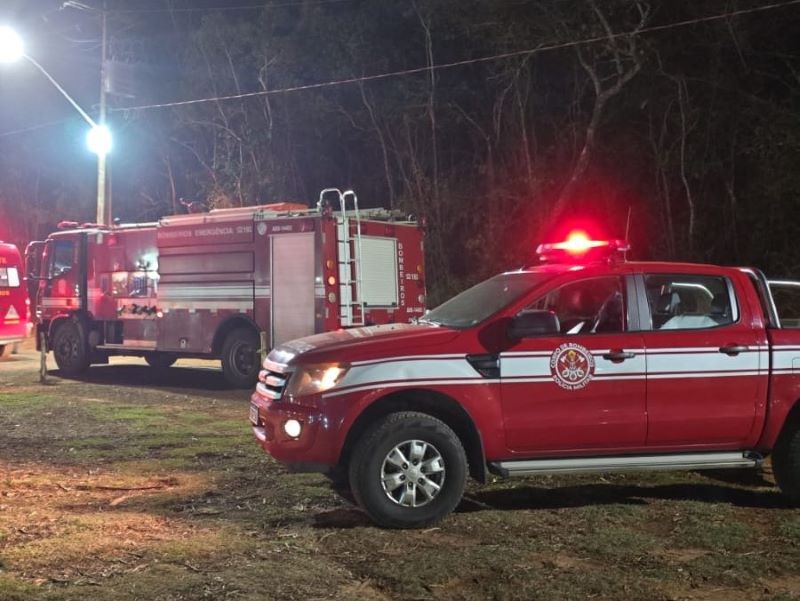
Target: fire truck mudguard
<point>585,362</point>
<point>222,284</point>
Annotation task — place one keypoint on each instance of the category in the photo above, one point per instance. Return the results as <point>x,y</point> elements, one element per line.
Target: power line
<point>25,130</point>
<point>245,7</point>
<point>461,63</point>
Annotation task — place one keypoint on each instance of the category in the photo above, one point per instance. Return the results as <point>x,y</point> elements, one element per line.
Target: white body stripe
<point>691,362</point>
<point>222,291</point>
<point>193,305</point>
<point>786,359</point>
<point>417,369</point>
<point>534,367</point>
<point>408,358</point>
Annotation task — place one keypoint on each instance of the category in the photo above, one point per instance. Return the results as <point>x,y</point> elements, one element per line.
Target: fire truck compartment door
<point>292,286</point>
<point>378,264</point>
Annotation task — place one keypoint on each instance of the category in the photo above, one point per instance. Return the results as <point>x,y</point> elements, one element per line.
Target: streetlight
<point>99,137</point>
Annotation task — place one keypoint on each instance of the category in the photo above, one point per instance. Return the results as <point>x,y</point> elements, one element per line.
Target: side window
<point>689,302</point>
<point>587,307</point>
<point>63,251</point>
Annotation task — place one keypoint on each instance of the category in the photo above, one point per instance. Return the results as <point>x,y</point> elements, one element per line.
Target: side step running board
<point>622,463</point>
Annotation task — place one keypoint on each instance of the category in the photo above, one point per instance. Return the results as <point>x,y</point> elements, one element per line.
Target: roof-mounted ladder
<point>348,230</point>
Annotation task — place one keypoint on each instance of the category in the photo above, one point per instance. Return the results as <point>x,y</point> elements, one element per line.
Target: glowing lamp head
<point>99,140</point>
<point>11,47</point>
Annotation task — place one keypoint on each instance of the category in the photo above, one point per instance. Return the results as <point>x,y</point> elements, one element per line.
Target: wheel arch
<point>430,402</point>
<point>790,424</point>
<point>232,323</point>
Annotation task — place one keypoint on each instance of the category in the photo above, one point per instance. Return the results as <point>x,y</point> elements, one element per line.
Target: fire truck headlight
<point>313,379</point>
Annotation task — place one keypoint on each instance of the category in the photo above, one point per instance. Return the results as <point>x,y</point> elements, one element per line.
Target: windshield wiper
<point>428,321</point>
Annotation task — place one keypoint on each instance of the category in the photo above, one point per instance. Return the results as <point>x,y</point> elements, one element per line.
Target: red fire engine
<point>225,283</point>
<point>14,303</point>
<point>584,363</point>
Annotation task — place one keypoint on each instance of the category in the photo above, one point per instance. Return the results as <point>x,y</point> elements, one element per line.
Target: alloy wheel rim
<point>412,473</point>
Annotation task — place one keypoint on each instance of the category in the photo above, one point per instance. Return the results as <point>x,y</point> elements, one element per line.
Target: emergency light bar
<point>579,247</point>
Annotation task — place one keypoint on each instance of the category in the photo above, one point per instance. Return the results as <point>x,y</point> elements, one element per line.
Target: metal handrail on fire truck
<point>349,260</point>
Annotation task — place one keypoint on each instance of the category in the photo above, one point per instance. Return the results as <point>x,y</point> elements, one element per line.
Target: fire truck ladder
<point>351,303</point>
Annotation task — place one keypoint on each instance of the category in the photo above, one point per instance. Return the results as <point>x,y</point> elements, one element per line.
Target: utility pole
<point>103,215</point>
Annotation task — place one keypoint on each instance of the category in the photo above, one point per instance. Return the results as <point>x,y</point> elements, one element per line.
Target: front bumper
<point>315,449</point>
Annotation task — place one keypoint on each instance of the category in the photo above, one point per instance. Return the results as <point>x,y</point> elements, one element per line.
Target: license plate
<point>254,414</point>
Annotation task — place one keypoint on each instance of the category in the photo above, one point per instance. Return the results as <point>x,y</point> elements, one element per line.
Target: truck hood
<point>373,342</point>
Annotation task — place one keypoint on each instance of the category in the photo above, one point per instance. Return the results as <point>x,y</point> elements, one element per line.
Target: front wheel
<point>240,358</point>
<point>69,349</point>
<point>408,471</point>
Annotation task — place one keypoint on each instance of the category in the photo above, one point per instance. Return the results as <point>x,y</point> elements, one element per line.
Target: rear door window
<point>9,277</point>
<point>787,302</point>
<point>689,301</point>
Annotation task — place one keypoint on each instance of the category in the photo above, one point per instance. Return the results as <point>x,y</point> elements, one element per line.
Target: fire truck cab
<point>14,303</point>
<point>583,363</point>
<point>224,284</point>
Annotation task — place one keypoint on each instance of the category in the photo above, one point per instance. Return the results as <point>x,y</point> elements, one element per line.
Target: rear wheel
<point>408,471</point>
<point>240,358</point>
<point>69,349</point>
<point>786,462</point>
<point>2,349</point>
<point>160,360</point>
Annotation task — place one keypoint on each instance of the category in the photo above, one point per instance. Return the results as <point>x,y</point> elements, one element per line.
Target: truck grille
<point>272,384</point>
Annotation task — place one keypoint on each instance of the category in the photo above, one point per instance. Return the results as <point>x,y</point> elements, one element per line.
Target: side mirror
<point>534,323</point>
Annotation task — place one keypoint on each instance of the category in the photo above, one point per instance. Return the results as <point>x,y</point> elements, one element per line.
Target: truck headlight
<point>313,379</point>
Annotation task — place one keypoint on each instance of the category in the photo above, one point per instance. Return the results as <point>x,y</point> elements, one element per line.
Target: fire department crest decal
<point>572,366</point>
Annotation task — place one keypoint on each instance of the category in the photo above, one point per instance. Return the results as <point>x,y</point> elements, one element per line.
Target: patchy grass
<point>130,485</point>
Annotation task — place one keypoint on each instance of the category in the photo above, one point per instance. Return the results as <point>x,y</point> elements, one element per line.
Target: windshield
<point>484,300</point>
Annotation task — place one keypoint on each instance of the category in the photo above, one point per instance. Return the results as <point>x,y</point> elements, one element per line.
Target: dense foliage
<point>687,136</point>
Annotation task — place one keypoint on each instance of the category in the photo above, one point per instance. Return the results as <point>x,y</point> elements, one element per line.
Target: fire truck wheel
<point>2,349</point>
<point>409,470</point>
<point>160,360</point>
<point>240,358</point>
<point>69,349</point>
<point>786,462</point>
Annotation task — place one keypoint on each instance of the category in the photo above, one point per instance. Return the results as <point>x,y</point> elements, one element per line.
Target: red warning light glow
<point>578,243</point>
<point>579,246</point>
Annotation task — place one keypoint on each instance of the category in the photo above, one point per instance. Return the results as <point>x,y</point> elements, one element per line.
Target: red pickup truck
<point>583,363</point>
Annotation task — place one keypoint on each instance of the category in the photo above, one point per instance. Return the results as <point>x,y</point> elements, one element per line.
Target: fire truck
<point>224,284</point>
<point>14,303</point>
<point>585,362</point>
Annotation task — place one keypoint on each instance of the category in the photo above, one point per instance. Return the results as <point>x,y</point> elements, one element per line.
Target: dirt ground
<point>136,484</point>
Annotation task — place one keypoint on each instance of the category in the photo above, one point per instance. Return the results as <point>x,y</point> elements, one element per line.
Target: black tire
<point>160,360</point>
<point>2,349</point>
<point>240,360</point>
<point>340,484</point>
<point>786,462</point>
<point>371,458</point>
<point>70,349</point>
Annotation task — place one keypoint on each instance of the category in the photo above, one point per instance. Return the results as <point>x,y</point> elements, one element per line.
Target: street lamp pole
<point>102,218</point>
<point>99,138</point>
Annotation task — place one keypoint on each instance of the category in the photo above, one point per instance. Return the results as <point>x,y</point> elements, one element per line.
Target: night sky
<point>704,138</point>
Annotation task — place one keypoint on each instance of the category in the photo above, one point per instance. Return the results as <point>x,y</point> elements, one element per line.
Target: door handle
<point>733,349</point>
<point>618,356</point>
